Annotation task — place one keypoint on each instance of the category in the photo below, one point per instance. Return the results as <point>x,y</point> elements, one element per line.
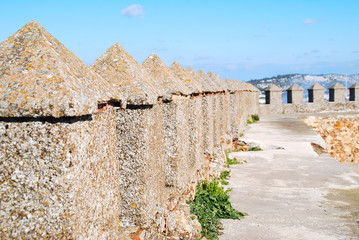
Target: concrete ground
<point>288,191</point>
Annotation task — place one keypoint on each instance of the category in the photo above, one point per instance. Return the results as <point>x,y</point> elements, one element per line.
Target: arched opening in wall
<point>267,97</point>
<point>351,94</point>
<point>331,95</point>
<point>289,96</point>
<point>310,95</point>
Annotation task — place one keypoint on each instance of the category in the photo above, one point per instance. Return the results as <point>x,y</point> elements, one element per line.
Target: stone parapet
<point>117,151</point>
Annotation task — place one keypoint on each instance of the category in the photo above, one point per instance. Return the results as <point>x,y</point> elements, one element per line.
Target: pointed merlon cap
<point>222,83</point>
<point>295,87</point>
<point>336,86</point>
<point>207,84</point>
<point>316,86</point>
<point>226,85</point>
<point>274,88</point>
<point>252,88</point>
<point>127,77</point>
<point>245,86</point>
<point>217,80</point>
<point>192,74</point>
<point>241,86</point>
<point>355,85</point>
<point>190,79</point>
<point>159,71</point>
<point>40,77</point>
<point>231,86</point>
<point>237,85</point>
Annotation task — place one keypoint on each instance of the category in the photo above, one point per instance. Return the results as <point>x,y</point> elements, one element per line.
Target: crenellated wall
<point>315,102</point>
<point>124,164</point>
<point>118,164</point>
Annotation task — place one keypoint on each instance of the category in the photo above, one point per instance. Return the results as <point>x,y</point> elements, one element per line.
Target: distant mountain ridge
<point>305,81</point>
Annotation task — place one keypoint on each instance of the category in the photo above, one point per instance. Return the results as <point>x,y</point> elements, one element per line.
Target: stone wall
<point>268,109</point>
<point>116,173</point>
<point>115,152</point>
<point>315,102</point>
<point>340,134</point>
<point>59,177</point>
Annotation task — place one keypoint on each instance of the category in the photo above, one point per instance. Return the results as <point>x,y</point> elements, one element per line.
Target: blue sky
<point>238,39</point>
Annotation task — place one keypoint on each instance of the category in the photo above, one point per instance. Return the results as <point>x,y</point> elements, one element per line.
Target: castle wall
<point>318,95</point>
<point>235,120</point>
<point>118,173</point>
<point>195,121</point>
<point>297,97</point>
<point>267,109</point>
<point>127,152</point>
<point>59,177</point>
<point>340,134</point>
<point>208,131</point>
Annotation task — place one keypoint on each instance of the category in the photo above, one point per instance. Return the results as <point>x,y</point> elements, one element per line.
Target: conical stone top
<point>207,84</point>
<point>40,77</point>
<point>274,88</point>
<point>337,86</point>
<point>226,83</point>
<point>235,85</point>
<point>316,86</point>
<point>127,77</point>
<point>190,79</point>
<point>159,71</point>
<point>231,86</point>
<point>251,87</point>
<point>243,86</point>
<point>295,87</point>
<point>355,85</point>
<point>217,80</point>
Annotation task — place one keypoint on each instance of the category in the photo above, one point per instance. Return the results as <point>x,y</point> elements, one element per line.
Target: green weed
<point>224,177</point>
<point>211,204</point>
<point>255,149</point>
<point>252,119</point>
<point>230,161</point>
<point>255,117</point>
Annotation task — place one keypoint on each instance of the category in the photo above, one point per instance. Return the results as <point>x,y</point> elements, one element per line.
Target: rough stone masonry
<point>111,151</point>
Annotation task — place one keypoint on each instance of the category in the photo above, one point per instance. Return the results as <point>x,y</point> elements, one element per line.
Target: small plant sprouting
<point>255,149</point>
<point>255,117</point>
<point>224,177</point>
<point>252,119</point>
<point>211,204</point>
<point>230,161</point>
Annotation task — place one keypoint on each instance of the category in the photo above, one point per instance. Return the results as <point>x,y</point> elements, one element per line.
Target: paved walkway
<point>291,193</point>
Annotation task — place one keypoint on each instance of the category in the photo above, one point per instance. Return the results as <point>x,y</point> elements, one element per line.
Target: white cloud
<point>134,10</point>
<point>231,67</point>
<point>202,58</point>
<point>309,21</point>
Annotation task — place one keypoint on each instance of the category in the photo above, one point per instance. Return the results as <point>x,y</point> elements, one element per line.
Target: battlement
<point>316,103</point>
<point>110,150</point>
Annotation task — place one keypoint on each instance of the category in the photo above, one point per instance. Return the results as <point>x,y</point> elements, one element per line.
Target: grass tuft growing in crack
<point>211,204</point>
<point>224,177</point>
<point>232,161</point>
<point>252,119</point>
<point>255,149</point>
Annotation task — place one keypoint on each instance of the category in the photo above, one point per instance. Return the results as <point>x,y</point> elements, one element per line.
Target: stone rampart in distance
<point>111,151</point>
<point>315,102</point>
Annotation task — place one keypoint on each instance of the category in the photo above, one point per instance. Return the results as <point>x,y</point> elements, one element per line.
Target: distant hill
<point>305,81</point>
